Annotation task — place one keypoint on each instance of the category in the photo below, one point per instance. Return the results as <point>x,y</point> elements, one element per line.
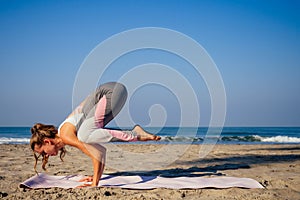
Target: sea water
<point>188,135</point>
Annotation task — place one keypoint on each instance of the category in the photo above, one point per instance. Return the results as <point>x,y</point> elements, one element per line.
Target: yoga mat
<point>141,182</point>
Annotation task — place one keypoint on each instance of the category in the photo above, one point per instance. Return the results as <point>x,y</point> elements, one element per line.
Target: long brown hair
<point>39,133</point>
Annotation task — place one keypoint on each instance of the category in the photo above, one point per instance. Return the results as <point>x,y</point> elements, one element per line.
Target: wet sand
<point>276,167</point>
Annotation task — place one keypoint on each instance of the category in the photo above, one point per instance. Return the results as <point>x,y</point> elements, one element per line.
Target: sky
<point>254,44</point>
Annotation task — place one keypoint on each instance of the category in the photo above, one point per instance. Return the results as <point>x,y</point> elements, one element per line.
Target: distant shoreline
<point>189,135</point>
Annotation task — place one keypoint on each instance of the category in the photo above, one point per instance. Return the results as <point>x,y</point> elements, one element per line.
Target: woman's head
<point>44,141</point>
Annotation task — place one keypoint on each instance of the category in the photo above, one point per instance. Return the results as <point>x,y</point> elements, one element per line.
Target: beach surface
<point>276,167</point>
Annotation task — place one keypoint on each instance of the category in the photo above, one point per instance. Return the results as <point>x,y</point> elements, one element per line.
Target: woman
<point>84,129</point>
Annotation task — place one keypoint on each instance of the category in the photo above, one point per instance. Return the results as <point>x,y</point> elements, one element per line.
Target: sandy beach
<point>276,167</point>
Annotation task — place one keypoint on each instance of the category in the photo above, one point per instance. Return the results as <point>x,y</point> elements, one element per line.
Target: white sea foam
<point>281,139</point>
<point>180,139</point>
<point>249,138</point>
<point>5,140</point>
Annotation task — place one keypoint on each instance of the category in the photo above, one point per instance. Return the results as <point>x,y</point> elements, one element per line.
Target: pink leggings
<point>99,122</point>
<point>98,110</point>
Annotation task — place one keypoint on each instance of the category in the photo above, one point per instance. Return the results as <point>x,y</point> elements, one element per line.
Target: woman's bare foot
<point>143,135</point>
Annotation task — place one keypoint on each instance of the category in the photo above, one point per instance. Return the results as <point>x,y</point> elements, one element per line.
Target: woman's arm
<point>98,155</point>
<point>95,151</point>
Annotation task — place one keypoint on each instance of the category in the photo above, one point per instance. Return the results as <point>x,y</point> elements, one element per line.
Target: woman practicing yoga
<point>84,129</point>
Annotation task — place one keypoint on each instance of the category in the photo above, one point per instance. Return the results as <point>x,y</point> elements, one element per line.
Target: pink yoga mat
<point>141,182</point>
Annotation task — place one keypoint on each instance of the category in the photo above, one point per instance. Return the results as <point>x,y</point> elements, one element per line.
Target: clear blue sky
<point>255,45</point>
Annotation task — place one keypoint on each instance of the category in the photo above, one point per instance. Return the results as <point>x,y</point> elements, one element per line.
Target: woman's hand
<point>86,179</point>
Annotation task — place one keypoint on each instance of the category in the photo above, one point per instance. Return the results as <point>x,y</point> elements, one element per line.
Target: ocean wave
<point>257,138</point>
<point>248,138</point>
<point>224,139</point>
<point>280,139</point>
<point>180,139</point>
<point>5,140</point>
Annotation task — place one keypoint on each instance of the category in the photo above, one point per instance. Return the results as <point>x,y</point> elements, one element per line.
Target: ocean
<point>187,135</point>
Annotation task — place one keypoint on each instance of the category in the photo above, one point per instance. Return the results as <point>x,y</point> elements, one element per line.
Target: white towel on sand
<point>141,182</point>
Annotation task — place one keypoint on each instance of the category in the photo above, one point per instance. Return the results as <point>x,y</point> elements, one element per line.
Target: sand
<point>276,167</point>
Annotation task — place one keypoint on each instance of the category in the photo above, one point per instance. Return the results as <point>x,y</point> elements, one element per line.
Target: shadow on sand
<point>216,166</point>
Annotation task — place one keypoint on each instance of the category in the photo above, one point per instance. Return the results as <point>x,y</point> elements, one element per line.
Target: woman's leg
<point>103,112</point>
<point>112,97</point>
<point>100,135</point>
<point>115,97</point>
<point>89,133</point>
<point>99,109</point>
<point>100,112</point>
<point>115,102</point>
